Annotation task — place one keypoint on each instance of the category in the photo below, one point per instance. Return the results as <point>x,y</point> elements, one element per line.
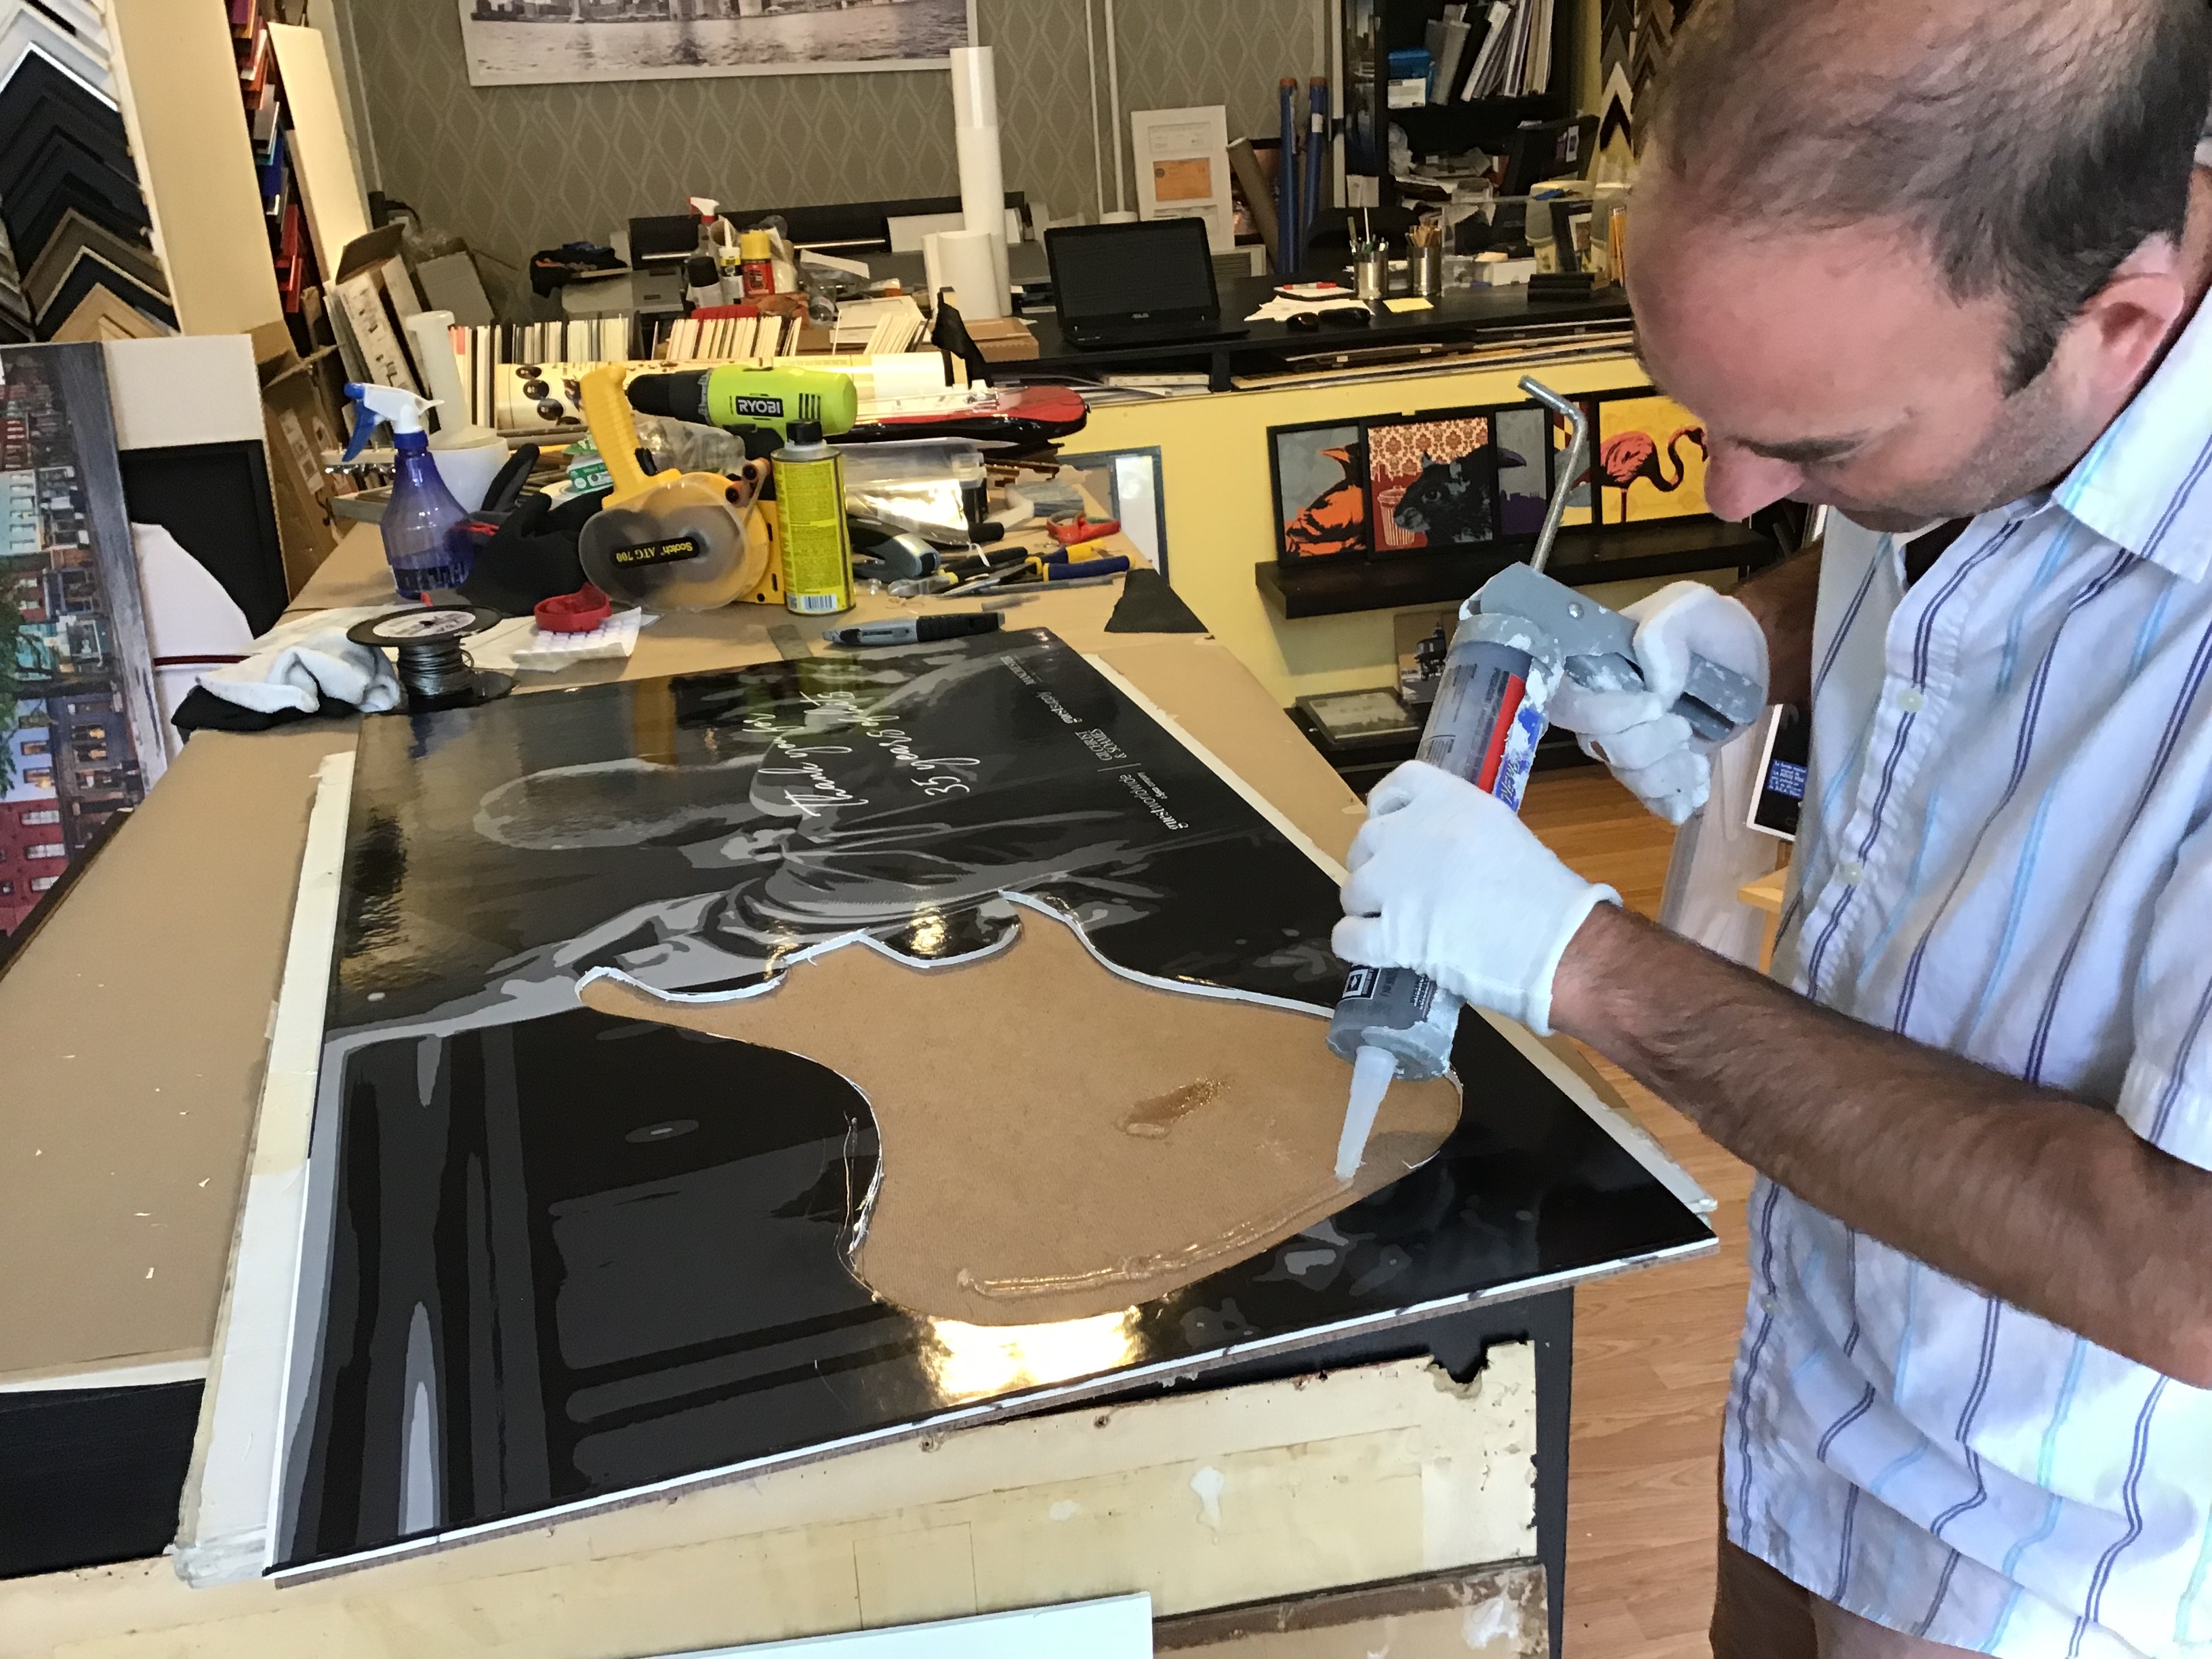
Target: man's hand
<point>1650,749</point>
<point>1447,881</point>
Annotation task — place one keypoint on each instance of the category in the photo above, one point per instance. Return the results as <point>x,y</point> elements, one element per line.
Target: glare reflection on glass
<point>970,1362</point>
<point>927,938</point>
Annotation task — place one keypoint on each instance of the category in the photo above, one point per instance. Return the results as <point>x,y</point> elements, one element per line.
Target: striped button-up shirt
<point>2007,852</point>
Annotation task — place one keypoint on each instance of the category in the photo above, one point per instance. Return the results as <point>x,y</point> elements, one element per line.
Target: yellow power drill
<point>758,404</point>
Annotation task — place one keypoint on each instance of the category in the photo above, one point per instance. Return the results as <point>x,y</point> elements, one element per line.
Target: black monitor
<point>1157,271</point>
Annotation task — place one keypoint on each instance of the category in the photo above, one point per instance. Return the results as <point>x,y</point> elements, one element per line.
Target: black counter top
<point>1460,317</point>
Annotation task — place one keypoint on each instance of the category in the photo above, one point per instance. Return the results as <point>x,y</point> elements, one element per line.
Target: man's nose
<point>1739,483</point>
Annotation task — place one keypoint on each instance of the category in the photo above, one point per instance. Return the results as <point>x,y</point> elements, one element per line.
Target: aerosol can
<point>1517,637</point>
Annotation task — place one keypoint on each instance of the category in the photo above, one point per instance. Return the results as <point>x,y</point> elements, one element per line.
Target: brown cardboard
<point>299,400</point>
<point>1167,1135</point>
<point>134,1025</point>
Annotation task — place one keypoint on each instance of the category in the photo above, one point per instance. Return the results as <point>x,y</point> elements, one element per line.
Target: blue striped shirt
<point>2007,852</point>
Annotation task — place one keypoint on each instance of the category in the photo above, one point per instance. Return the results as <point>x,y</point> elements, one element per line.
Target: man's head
<point>1910,260</point>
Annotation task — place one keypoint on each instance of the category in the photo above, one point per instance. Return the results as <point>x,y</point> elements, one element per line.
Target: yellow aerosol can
<point>810,507</point>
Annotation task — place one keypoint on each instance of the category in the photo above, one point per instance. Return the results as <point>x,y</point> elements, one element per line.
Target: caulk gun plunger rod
<point>1578,458</point>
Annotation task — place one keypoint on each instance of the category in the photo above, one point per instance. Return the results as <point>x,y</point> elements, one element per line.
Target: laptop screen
<point>1161,268</point>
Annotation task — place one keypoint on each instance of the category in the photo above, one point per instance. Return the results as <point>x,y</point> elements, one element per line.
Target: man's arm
<point>1783,599</point>
<point>2034,1196</point>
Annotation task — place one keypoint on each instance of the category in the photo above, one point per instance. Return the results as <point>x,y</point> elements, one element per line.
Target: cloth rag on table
<point>301,668</point>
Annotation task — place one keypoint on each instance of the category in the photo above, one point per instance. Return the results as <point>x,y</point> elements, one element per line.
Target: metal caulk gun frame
<point>1518,635</point>
<point>1598,645</point>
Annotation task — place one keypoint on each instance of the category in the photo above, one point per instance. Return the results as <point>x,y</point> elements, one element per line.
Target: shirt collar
<point>2146,483</point>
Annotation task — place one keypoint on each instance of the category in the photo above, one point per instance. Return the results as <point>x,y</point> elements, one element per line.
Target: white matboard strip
<point>228,1504</point>
<point>1119,1628</point>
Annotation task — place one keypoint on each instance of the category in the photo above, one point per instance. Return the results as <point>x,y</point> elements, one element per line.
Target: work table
<point>136,1025</point>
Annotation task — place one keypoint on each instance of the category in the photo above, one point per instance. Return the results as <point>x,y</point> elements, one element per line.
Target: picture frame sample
<point>1319,474</point>
<point>536,42</point>
<point>1524,475</point>
<point>1650,460</point>
<point>1129,485</point>
<point>1432,482</point>
<point>81,735</point>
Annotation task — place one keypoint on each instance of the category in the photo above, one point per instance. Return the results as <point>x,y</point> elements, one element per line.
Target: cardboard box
<point>303,403</point>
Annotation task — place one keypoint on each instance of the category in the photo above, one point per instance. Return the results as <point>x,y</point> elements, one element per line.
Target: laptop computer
<point>1144,284</point>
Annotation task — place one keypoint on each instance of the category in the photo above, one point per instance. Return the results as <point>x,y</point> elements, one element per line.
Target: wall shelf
<point>1612,553</point>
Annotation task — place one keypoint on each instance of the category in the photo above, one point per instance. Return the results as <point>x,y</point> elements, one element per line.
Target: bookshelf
<point>1373,29</point>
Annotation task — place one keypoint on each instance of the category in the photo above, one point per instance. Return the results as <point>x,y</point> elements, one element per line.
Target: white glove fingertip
<point>1359,896</point>
<point>1405,785</point>
<point>1354,939</point>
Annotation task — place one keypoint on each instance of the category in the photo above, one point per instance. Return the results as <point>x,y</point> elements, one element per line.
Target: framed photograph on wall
<point>1433,481</point>
<point>1320,475</point>
<point>1651,461</point>
<point>510,43</point>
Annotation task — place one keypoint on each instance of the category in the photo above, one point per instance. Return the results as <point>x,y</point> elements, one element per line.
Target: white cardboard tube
<point>984,194</point>
<point>974,87</point>
<point>968,264</point>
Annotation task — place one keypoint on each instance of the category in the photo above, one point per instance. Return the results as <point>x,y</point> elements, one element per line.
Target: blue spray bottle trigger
<point>378,405</point>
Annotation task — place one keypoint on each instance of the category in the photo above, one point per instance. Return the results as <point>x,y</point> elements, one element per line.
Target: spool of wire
<point>434,670</point>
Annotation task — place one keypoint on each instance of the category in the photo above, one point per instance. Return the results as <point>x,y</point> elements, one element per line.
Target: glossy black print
<point>566,1256</point>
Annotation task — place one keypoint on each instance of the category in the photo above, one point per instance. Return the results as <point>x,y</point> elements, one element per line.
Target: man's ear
<point>2110,343</point>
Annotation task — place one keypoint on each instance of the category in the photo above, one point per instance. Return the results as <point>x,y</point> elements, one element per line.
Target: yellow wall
<point>1215,489</point>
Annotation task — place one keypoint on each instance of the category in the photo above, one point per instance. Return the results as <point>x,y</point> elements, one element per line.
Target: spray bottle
<point>718,243</point>
<point>425,535</point>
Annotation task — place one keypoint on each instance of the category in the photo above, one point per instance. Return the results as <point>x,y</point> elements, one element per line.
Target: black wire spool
<point>434,672</point>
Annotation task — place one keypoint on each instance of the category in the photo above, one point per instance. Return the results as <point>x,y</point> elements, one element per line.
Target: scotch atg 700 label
<point>674,550</point>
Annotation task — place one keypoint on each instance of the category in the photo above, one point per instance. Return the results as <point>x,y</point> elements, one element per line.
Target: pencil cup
<point>1428,270</point>
<point>1370,272</point>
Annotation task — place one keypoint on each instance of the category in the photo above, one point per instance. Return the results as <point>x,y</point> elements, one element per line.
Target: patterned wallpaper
<point>516,168</point>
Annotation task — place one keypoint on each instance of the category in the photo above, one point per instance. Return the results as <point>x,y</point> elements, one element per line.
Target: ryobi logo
<point>763,409</point>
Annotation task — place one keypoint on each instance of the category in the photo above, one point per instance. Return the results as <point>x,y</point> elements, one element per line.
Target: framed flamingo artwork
<point>1321,492</point>
<point>1650,460</point>
<point>1433,481</point>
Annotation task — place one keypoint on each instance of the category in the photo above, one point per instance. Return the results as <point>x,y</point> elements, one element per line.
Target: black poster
<point>537,1276</point>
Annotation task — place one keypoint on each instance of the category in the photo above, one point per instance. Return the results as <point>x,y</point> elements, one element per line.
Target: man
<point>1944,268</point>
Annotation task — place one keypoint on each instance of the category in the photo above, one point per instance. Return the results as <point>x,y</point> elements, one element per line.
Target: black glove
<point>533,557</point>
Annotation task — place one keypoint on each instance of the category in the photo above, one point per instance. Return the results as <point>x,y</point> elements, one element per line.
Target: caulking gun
<point>1517,636</point>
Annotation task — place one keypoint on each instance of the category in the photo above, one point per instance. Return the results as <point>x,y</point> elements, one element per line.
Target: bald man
<point>1941,267</point>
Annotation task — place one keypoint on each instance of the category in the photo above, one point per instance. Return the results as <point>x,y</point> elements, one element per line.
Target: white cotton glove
<point>1447,881</point>
<point>1650,749</point>
<point>304,669</point>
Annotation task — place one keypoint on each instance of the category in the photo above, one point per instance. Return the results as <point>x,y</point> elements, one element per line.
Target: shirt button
<point>1911,701</point>
<point>1850,874</point>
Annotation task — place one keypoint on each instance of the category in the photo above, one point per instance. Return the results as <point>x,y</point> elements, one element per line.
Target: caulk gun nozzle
<point>1372,1072</point>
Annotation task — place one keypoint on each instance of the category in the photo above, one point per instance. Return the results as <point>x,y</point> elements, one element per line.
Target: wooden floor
<point>1652,1349</point>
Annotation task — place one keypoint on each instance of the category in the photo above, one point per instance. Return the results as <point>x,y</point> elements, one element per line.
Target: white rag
<point>299,663</point>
